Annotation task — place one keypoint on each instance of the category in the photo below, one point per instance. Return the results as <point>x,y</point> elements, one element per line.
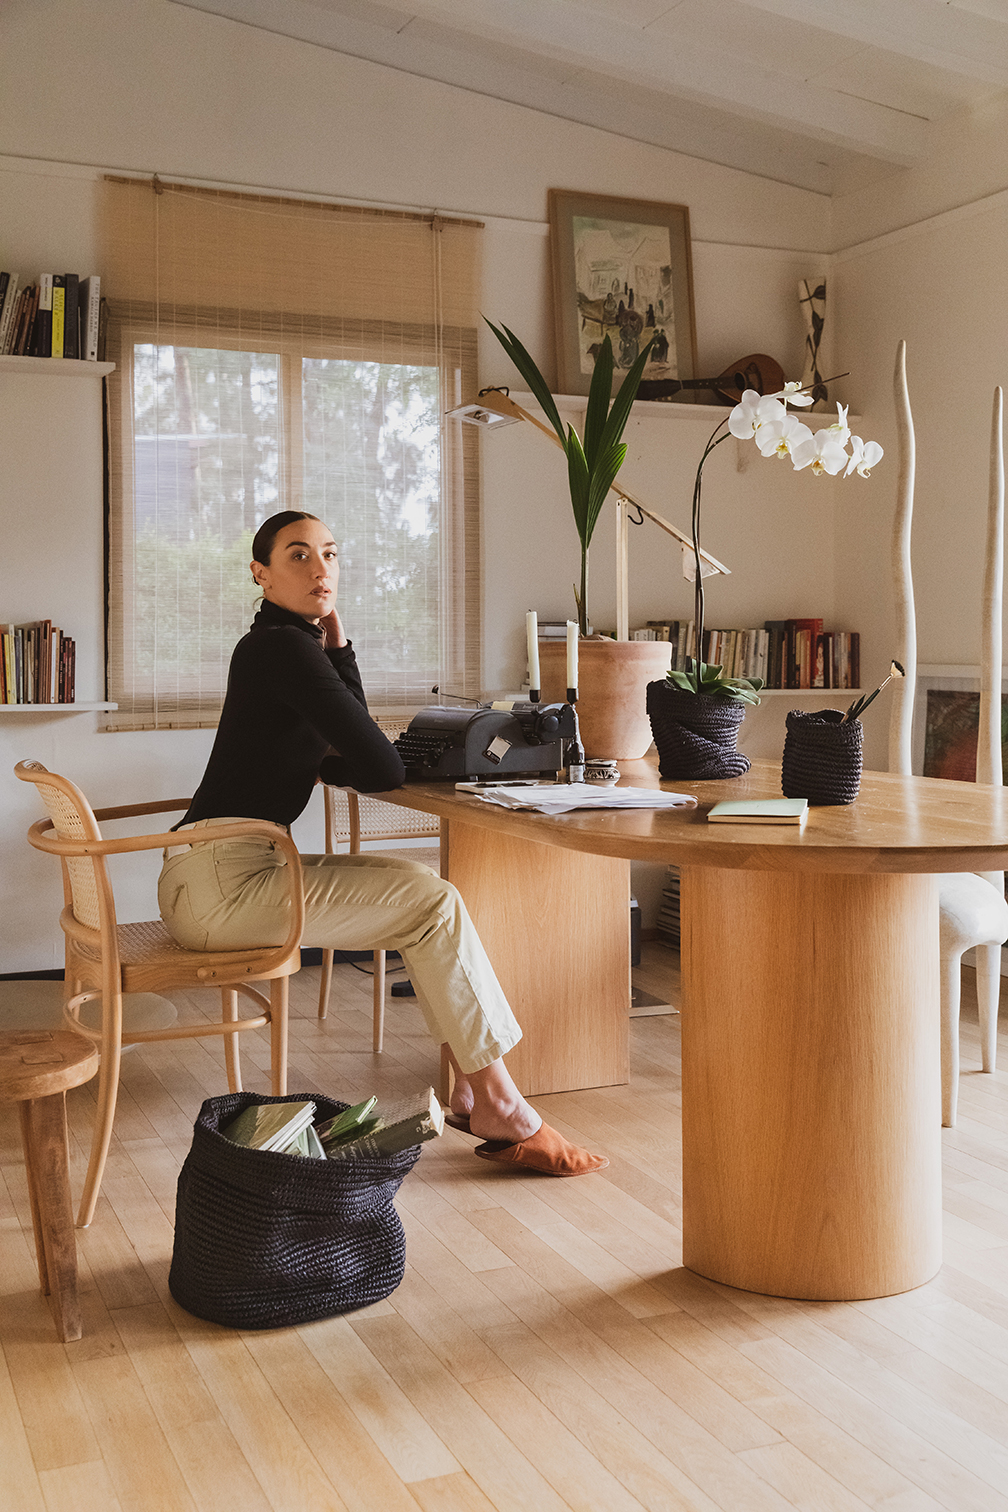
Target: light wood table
<point>810,1049</point>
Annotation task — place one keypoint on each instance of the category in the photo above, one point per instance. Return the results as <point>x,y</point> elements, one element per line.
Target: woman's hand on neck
<point>332,629</point>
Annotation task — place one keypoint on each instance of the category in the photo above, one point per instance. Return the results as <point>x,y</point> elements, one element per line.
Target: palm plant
<point>592,465</point>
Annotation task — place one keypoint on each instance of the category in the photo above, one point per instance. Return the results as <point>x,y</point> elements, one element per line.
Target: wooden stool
<point>35,1070</point>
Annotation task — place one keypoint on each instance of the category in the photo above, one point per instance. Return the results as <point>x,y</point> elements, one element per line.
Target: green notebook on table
<point>760,811</point>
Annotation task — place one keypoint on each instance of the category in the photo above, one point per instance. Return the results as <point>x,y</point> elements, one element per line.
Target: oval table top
<point>897,824</point>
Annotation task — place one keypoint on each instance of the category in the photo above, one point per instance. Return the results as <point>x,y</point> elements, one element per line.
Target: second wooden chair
<point>105,959</point>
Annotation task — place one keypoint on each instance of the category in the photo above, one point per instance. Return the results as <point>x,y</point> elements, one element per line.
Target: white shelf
<point>56,367</point>
<point>815,420</point>
<point>54,708</point>
<point>808,692</point>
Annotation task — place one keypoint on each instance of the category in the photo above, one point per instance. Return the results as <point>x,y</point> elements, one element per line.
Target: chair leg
<point>279,993</point>
<point>988,973</point>
<point>378,1027</point>
<point>232,1054</point>
<point>108,1091</point>
<point>325,984</point>
<point>951,967</point>
<point>43,1131</point>
<point>24,1109</point>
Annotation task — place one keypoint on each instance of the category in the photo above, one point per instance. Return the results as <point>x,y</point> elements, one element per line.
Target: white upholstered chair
<point>106,959</point>
<point>972,908</point>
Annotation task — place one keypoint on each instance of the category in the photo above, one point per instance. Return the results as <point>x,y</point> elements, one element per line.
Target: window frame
<point>453,351</point>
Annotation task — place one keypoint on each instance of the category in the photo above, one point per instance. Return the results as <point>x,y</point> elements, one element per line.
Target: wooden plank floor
<point>546,1349</point>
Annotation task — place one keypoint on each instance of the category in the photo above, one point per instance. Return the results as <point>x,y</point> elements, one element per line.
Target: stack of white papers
<point>560,798</point>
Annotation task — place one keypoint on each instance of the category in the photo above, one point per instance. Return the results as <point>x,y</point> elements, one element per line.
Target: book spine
<point>58,313</point>
<point>855,659</point>
<point>28,343</point>
<point>45,678</point>
<point>8,311</point>
<point>91,291</point>
<point>102,328</point>
<point>819,663</point>
<point>5,279</point>
<point>388,1141</point>
<point>43,337</point>
<point>71,326</point>
<point>10,345</point>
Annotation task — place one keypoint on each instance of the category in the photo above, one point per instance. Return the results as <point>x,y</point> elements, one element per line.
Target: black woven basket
<point>695,733</point>
<point>264,1240</point>
<point>822,757</point>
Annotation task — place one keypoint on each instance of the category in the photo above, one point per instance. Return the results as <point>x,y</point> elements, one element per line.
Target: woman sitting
<point>295,713</point>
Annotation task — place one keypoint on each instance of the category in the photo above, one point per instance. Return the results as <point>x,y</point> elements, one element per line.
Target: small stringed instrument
<point>757,371</point>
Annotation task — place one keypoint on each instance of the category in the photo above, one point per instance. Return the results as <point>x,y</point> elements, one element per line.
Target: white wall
<point>939,284</point>
<point>178,92</point>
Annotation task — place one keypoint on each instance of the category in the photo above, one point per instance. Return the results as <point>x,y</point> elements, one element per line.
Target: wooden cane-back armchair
<point>105,959</point>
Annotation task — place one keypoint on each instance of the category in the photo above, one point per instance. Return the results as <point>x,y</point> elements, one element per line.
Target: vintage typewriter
<point>527,740</point>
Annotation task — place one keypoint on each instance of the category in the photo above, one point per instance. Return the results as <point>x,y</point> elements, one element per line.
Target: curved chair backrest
<point>72,819</point>
<point>374,819</point>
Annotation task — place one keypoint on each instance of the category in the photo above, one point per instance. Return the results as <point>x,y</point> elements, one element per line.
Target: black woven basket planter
<point>695,733</point>
<point>264,1240</point>
<point>822,757</point>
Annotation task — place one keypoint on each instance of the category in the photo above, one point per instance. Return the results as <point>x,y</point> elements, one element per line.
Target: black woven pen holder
<point>822,757</point>
<point>695,733</point>
<point>264,1240</point>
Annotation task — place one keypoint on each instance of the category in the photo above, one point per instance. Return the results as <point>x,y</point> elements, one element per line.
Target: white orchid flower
<point>778,438</point>
<point>864,456</point>
<point>840,429</point>
<point>793,393</point>
<point>752,411</point>
<point>824,453</point>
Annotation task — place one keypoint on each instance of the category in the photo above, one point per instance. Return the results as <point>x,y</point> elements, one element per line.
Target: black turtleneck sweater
<point>293,712</point>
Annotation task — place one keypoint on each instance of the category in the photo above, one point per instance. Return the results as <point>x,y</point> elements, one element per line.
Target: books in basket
<point>391,1127</point>
<point>271,1126</point>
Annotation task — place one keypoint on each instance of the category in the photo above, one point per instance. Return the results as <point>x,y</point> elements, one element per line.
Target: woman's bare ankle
<point>512,1120</point>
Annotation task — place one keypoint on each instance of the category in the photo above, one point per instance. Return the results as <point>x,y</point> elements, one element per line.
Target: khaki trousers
<point>231,894</point>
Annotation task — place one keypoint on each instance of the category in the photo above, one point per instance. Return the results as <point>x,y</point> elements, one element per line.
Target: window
<point>223,413</point>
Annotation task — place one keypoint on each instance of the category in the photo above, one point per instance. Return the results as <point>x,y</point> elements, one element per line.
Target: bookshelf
<point>36,408</point>
<point>55,708</point>
<point>56,367</point>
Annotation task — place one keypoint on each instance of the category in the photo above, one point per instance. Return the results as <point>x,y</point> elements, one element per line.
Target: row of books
<point>364,1131</point>
<point>59,315</point>
<point>37,664</point>
<point>794,653</point>
<point>669,929</point>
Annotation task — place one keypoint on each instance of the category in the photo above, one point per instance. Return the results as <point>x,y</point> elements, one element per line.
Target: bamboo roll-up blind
<point>286,354</point>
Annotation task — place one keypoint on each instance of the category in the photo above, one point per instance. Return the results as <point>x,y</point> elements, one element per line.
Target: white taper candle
<point>532,635</point>
<point>572,654</point>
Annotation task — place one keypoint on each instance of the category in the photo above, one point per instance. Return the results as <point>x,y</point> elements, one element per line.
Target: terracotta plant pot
<point>612,693</point>
<point>695,735</point>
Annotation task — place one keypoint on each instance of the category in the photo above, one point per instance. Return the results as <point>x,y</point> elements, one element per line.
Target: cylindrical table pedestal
<point>811,1081</point>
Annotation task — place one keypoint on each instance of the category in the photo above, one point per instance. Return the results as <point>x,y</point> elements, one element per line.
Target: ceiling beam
<point>962,38</point>
<point>596,43</point>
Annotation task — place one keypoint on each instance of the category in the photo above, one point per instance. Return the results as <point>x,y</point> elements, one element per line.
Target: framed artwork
<point>622,268</point>
<point>947,723</point>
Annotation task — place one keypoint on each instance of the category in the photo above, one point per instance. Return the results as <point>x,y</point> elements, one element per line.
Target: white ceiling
<point>817,93</point>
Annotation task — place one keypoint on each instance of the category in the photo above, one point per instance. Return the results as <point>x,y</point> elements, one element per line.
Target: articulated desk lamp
<point>496,407</point>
